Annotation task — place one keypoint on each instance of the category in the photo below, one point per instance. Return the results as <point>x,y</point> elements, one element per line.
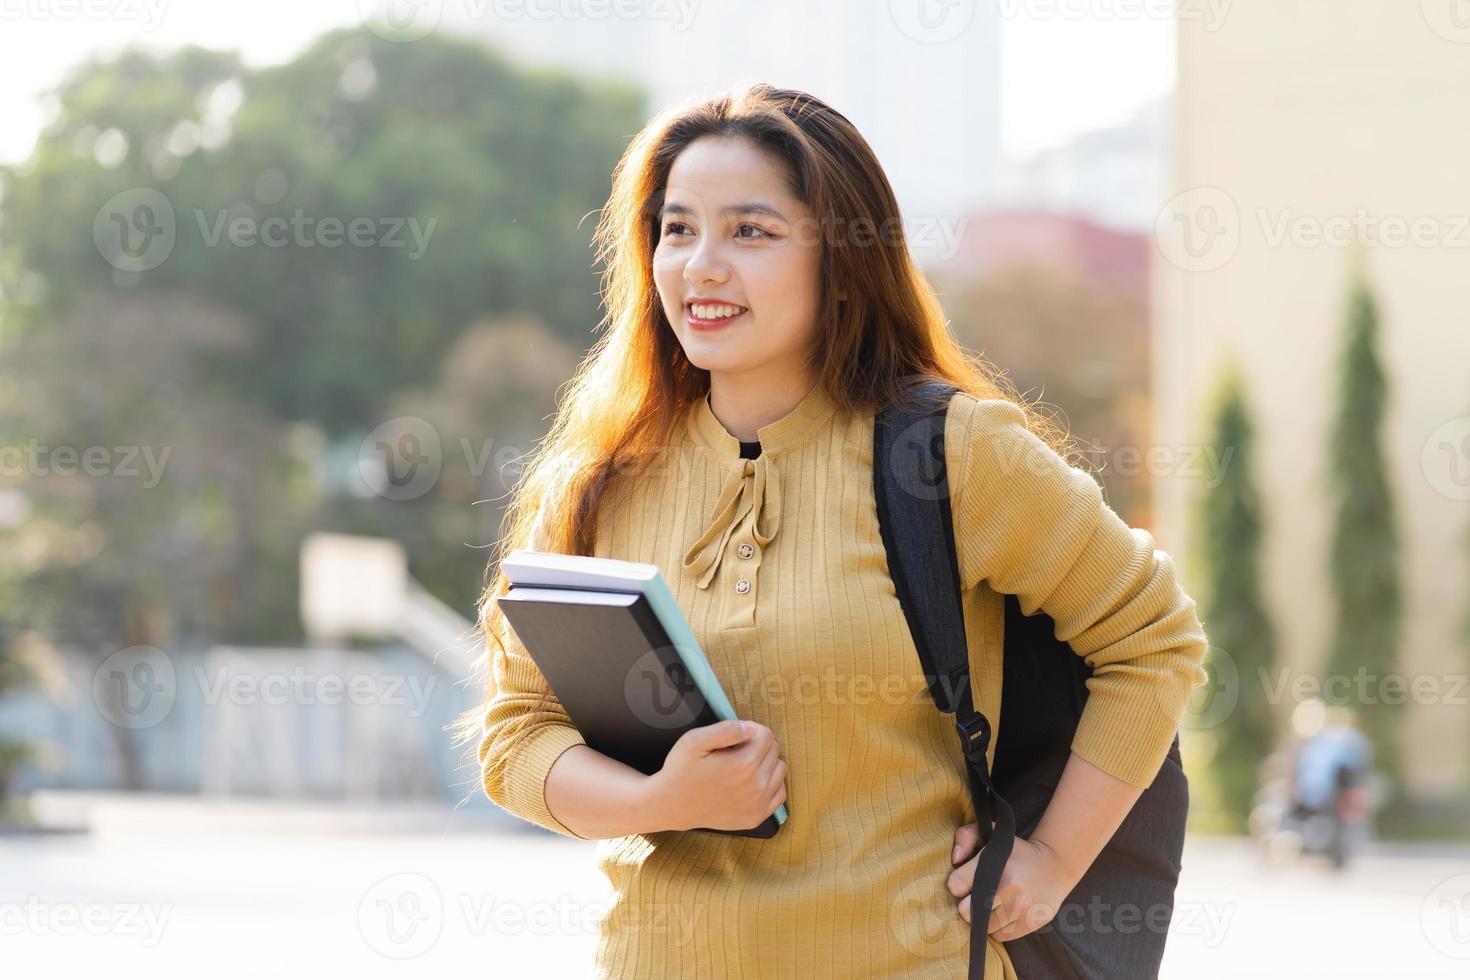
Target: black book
<point>610,662</point>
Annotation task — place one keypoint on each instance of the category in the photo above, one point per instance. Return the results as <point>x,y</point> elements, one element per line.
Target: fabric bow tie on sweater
<point>750,498</point>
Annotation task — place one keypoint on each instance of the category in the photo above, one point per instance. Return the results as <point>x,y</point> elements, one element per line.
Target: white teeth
<point>714,312</point>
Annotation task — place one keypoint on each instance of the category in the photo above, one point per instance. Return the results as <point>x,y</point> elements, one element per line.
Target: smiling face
<point>732,233</point>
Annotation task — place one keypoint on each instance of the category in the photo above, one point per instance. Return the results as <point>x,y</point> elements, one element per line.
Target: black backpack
<point>1129,889</point>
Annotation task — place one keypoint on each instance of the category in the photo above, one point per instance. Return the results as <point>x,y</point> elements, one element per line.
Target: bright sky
<point>1062,76</point>
<point>1061,72</point>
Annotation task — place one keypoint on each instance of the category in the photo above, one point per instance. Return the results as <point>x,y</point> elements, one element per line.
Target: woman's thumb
<point>728,733</point>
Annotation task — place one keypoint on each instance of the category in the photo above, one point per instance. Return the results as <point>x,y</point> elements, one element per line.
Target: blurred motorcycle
<point>1318,794</point>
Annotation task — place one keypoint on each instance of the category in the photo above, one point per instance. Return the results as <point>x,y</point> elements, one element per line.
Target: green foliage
<point>1365,539</point>
<point>495,169</point>
<point>1243,643</point>
<point>258,368</point>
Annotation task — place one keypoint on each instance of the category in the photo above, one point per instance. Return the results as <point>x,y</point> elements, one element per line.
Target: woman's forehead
<point>715,174</point>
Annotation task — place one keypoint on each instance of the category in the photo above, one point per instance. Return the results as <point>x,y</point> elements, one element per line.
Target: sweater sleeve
<point>1034,526</point>
<point>529,735</point>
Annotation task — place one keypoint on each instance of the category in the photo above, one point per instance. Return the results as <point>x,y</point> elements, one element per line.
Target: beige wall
<point>1313,109</point>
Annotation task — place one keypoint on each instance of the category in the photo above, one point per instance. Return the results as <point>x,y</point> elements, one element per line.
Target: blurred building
<point>925,93</point>
<point>1113,176</point>
<point>1300,126</point>
<point>1070,245</point>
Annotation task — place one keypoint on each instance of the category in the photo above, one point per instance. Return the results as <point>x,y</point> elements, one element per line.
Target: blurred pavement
<point>172,897</point>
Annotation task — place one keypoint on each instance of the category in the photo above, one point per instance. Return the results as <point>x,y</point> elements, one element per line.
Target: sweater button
<point>745,551</point>
<point>742,586</point>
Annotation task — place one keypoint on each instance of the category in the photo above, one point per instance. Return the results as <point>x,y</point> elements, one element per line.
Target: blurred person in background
<point>1317,794</point>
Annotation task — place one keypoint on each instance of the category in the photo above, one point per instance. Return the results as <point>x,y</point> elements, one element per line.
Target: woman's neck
<point>743,405</point>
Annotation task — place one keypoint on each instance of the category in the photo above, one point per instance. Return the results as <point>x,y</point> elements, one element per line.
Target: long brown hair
<point>619,406</point>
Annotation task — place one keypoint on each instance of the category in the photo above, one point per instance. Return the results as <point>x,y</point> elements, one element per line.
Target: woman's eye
<point>679,228</point>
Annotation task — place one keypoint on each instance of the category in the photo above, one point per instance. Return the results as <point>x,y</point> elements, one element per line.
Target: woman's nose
<point>706,264</point>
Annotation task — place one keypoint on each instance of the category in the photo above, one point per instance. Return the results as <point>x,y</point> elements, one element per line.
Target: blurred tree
<point>155,499</point>
<point>162,511</point>
<point>1242,641</point>
<point>1365,540</point>
<point>494,427</point>
<point>1086,347</point>
<point>269,335</point>
<point>493,400</point>
<point>14,751</point>
<point>465,178</point>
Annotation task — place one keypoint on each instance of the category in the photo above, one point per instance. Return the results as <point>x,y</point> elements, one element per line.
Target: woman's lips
<point>715,324</point>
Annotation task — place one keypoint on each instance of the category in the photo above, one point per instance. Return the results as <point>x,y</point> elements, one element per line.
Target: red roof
<point>994,240</point>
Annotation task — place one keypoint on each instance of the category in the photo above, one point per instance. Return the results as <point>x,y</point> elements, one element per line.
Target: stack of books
<point>619,656</point>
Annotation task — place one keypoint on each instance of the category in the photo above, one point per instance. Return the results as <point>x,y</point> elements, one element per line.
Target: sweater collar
<point>792,429</point>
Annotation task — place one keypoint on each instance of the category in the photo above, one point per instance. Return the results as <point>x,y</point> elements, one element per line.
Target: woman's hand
<point>725,776</point>
<point>1032,885</point>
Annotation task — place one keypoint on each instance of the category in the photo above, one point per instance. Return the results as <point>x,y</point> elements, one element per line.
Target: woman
<point>761,304</point>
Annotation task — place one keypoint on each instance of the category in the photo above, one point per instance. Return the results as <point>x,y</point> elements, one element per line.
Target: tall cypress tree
<point>1234,615</point>
<point>14,751</point>
<point>1365,539</point>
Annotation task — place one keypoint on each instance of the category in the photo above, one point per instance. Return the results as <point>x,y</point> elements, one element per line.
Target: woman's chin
<point>708,356</point>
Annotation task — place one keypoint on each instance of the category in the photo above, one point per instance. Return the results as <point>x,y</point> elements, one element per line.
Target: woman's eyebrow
<point>748,207</point>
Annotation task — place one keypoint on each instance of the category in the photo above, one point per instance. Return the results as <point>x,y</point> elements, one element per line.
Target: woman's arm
<point>1035,527</point>
<point>596,796</point>
<point>1086,810</point>
<point>522,737</point>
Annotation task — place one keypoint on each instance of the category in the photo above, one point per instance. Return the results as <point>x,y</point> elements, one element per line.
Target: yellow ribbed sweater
<point>815,646</point>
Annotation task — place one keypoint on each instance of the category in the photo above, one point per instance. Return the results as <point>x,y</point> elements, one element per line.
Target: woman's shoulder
<point>984,428</point>
<point>988,413</point>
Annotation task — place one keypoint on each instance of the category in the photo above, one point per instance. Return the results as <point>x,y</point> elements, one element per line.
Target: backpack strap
<point>911,489</point>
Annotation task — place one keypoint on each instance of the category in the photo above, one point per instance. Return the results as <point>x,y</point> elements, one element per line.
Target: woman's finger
<point>995,908</point>
<point>768,757</point>
<point>962,879</point>
<point>768,763</point>
<point>1023,925</point>
<point>966,843</point>
<point>1001,917</point>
